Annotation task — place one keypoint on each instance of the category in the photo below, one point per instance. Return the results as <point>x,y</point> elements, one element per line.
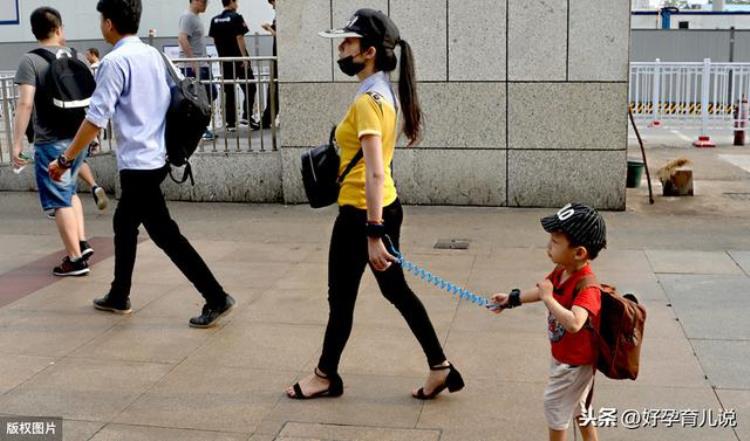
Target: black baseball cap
<point>370,25</point>
<point>583,224</point>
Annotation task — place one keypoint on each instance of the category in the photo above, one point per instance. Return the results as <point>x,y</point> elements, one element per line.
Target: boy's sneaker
<point>70,268</point>
<point>211,315</point>
<point>86,250</point>
<point>107,304</point>
<point>100,197</point>
<point>231,129</point>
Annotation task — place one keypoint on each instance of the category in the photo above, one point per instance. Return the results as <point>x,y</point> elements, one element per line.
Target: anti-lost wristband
<point>433,279</point>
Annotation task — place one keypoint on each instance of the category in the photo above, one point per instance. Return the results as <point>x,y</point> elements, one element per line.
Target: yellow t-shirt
<point>369,114</point>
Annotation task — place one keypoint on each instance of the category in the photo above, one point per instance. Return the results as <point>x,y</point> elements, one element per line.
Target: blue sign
<point>9,12</point>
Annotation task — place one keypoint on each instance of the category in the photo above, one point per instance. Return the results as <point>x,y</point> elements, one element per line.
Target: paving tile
<point>530,319</point>
<point>708,306</point>
<point>121,432</point>
<point>17,369</point>
<point>49,333</point>
<point>291,306</point>
<point>147,339</point>
<point>739,401</point>
<point>626,395</point>
<point>742,258</point>
<point>261,346</point>
<point>692,262</point>
<point>80,430</point>
<point>250,276</point>
<point>374,310</point>
<point>372,401</point>
<point>385,351</point>
<point>488,410</point>
<point>89,390</point>
<point>351,433</point>
<point>500,356</point>
<point>74,296</point>
<point>721,359</point>
<point>226,399</point>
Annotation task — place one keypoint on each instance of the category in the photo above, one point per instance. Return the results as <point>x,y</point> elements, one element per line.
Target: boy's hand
<point>499,299</point>
<point>545,290</point>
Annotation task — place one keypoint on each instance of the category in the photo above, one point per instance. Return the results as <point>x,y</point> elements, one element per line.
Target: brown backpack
<point>620,333</point>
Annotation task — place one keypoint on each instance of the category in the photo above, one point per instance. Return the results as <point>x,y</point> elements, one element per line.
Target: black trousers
<point>348,257</point>
<point>142,202</point>
<point>236,71</point>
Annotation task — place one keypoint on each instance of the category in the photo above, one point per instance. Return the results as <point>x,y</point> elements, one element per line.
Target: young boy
<point>577,234</point>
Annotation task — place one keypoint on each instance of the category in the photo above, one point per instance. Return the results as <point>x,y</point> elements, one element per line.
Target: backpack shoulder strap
<point>48,56</point>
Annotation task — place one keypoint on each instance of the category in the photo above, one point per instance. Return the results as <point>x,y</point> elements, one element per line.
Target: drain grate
<point>738,196</point>
<point>452,244</point>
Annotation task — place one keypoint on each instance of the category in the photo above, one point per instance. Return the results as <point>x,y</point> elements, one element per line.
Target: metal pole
<point>705,84</point>
<point>645,163</point>
<point>8,93</point>
<point>655,97</point>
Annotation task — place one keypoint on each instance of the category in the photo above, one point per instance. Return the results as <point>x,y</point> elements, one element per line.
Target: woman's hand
<point>499,300</point>
<point>380,258</point>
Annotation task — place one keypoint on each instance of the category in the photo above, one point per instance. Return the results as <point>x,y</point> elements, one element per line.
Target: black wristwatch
<point>514,299</point>
<point>375,230</point>
<point>63,162</point>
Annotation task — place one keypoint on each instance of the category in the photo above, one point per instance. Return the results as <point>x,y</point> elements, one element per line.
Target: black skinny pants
<point>348,257</point>
<point>142,202</point>
<point>236,71</point>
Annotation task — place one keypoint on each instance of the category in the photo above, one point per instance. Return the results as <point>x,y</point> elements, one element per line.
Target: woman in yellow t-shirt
<point>368,203</point>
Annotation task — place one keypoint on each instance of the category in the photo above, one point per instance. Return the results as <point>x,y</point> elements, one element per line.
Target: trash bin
<point>635,173</point>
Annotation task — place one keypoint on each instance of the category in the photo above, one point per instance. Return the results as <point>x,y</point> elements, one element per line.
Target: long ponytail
<point>407,91</point>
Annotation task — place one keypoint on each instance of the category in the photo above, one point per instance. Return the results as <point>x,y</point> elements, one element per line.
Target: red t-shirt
<point>578,348</point>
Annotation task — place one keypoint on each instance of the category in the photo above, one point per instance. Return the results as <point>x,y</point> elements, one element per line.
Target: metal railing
<point>227,74</point>
<point>222,79</point>
<point>689,95</point>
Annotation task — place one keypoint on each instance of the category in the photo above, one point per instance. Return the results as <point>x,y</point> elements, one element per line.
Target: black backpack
<point>320,168</point>
<point>69,85</point>
<point>320,172</point>
<point>188,117</point>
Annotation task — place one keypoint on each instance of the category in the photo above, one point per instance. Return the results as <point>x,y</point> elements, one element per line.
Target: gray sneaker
<point>100,197</point>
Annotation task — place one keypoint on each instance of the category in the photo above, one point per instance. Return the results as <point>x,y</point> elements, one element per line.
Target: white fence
<point>689,95</point>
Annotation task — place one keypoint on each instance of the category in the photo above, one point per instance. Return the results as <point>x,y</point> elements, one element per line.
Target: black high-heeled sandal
<point>335,388</point>
<point>453,382</point>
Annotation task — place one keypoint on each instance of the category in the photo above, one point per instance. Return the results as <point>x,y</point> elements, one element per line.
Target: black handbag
<point>320,172</point>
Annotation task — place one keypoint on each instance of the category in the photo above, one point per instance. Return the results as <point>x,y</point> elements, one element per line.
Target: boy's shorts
<point>568,393</point>
<point>54,194</point>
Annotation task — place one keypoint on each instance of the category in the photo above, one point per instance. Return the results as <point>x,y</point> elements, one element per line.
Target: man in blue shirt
<point>133,88</point>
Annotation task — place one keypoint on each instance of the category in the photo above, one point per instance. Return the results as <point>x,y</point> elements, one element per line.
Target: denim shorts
<point>54,194</point>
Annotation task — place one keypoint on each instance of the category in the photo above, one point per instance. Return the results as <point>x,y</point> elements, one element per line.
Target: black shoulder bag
<point>320,172</point>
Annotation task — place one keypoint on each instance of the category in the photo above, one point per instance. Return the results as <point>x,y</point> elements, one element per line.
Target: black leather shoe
<point>210,315</point>
<point>106,304</point>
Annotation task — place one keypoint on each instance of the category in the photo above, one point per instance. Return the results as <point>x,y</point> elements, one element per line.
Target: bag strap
<point>586,282</point>
<point>171,70</point>
<point>187,174</point>
<point>48,56</point>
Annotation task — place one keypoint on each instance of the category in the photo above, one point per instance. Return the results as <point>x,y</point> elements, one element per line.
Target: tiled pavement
<point>150,377</point>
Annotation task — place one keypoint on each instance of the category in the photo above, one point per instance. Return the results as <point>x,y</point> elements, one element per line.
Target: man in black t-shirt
<point>228,30</point>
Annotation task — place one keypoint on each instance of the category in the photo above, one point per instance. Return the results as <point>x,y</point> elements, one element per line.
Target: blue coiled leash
<point>430,278</point>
